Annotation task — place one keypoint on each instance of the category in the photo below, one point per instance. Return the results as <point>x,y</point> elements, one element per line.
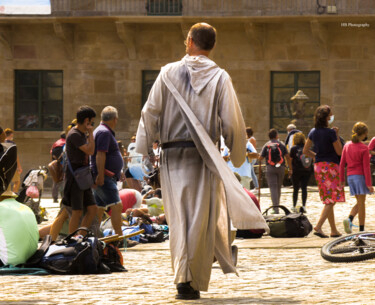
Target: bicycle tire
<point>332,252</point>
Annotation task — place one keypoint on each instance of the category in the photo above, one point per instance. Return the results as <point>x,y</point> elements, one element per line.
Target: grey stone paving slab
<point>271,271</point>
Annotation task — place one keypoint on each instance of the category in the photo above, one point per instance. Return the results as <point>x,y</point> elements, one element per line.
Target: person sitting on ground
<point>155,203</point>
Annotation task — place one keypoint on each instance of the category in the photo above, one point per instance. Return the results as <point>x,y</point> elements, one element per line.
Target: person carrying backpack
<point>302,166</point>
<point>275,154</point>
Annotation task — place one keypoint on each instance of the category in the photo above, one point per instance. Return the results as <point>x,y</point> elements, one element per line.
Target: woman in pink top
<point>355,156</point>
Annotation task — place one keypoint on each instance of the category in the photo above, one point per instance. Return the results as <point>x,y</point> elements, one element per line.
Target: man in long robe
<point>190,105</point>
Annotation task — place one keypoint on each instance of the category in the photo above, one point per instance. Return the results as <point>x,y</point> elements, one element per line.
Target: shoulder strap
<point>38,255</point>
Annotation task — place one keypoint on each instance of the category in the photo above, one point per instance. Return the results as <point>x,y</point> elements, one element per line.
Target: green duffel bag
<point>288,225</point>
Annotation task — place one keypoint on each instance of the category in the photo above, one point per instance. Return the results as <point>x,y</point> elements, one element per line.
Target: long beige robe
<point>196,204</point>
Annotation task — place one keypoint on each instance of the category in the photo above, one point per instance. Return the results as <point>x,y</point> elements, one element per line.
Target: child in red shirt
<point>355,156</point>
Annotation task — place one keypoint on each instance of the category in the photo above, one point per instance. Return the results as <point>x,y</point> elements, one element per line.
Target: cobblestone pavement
<point>272,271</point>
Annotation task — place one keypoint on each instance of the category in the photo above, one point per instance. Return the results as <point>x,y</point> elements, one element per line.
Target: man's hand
<point>99,180</point>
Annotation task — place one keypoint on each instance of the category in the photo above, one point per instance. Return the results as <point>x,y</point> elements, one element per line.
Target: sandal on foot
<point>337,235</point>
<point>321,235</point>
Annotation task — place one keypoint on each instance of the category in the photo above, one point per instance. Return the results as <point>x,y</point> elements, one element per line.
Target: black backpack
<point>303,159</point>
<point>275,155</point>
<point>74,255</point>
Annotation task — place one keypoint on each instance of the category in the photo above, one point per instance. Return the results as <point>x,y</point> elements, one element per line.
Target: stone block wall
<point>98,69</point>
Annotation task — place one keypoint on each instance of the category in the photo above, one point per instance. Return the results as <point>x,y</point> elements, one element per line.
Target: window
<point>164,7</point>
<point>284,85</point>
<point>38,100</point>
<point>148,79</point>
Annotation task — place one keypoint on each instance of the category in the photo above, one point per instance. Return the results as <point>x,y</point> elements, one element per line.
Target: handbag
<point>288,225</point>
<point>32,191</point>
<point>82,175</point>
<point>56,170</point>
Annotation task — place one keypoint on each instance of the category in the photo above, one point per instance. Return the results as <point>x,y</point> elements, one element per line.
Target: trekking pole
<point>259,177</point>
<point>116,237</point>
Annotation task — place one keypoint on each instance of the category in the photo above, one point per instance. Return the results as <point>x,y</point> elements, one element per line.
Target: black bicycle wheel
<point>350,248</point>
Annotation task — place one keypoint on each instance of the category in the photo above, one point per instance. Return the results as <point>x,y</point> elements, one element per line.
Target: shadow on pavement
<point>245,300</point>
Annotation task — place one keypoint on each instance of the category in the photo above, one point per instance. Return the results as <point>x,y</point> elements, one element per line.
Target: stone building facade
<point>86,54</point>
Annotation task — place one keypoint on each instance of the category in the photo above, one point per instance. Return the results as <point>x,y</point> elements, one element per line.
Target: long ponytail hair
<point>358,130</point>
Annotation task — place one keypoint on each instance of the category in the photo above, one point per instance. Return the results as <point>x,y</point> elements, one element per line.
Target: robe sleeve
<point>148,128</point>
<point>232,123</point>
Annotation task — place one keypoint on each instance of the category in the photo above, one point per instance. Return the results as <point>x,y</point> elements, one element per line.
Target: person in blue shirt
<point>107,164</point>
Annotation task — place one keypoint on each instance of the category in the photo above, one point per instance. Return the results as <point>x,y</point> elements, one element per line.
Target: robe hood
<point>201,71</point>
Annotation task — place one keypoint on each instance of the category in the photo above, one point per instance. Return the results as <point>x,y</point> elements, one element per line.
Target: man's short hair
<point>203,35</point>
<point>158,192</point>
<point>249,132</point>
<point>63,135</point>
<point>272,134</point>
<point>8,131</point>
<point>109,113</point>
<point>85,112</point>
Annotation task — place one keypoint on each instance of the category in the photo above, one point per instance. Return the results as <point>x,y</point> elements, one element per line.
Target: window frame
<point>40,100</point>
<point>145,92</point>
<point>296,88</point>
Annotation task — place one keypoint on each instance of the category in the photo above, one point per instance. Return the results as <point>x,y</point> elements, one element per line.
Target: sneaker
<point>347,225</point>
<point>294,210</point>
<point>303,210</point>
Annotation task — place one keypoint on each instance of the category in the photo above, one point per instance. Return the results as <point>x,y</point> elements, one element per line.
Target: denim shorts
<point>107,194</point>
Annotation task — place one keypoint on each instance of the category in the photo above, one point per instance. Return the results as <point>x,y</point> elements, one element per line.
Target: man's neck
<point>81,128</point>
<point>109,124</point>
<point>199,52</point>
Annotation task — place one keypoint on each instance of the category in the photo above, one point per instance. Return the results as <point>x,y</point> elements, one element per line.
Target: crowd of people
<point>192,110</point>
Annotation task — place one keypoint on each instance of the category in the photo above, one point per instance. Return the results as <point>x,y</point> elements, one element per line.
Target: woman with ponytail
<point>355,156</point>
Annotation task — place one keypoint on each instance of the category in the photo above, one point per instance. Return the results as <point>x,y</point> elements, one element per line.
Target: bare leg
<point>75,220</point>
<point>89,216</point>
<point>16,186</point>
<point>100,213</point>
<point>44,231</point>
<point>331,220</point>
<point>323,216</point>
<point>354,210</point>
<point>58,224</point>
<point>361,199</point>
<point>116,218</point>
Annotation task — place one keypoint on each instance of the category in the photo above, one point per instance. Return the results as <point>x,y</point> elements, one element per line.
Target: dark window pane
<point>310,108</point>
<point>281,110</point>
<point>52,94</point>
<point>28,93</point>
<point>52,79</point>
<point>312,93</point>
<point>148,79</point>
<point>27,121</point>
<point>283,80</point>
<point>308,79</point>
<point>28,107</point>
<point>281,123</point>
<point>28,78</point>
<point>39,104</point>
<point>282,94</point>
